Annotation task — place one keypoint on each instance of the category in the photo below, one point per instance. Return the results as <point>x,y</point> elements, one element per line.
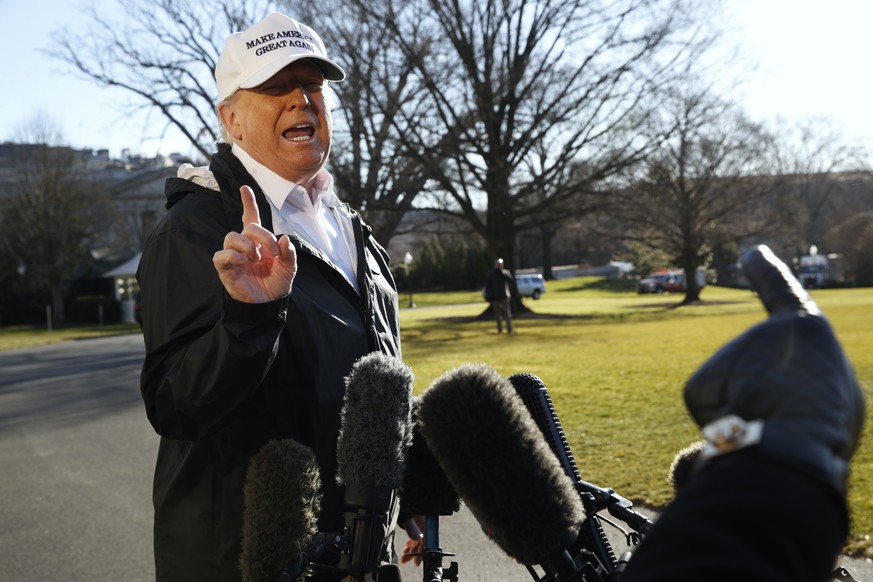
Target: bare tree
<point>55,212</point>
<point>853,239</point>
<point>817,162</point>
<point>372,170</point>
<point>710,183</point>
<point>524,104</point>
<point>162,53</point>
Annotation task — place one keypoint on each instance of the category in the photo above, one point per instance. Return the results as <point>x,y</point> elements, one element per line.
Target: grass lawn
<point>18,337</point>
<point>615,364</point>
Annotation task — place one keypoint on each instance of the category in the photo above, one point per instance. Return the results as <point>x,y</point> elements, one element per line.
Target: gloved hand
<point>791,374</point>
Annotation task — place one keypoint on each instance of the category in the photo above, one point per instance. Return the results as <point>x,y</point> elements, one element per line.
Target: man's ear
<point>227,115</point>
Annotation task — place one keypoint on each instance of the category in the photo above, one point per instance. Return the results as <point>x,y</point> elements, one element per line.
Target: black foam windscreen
<point>496,459</point>
<point>282,499</point>
<point>426,488</point>
<point>684,465</point>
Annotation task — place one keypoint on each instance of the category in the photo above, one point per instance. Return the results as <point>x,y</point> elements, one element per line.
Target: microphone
<point>427,492</point>
<point>426,488</point>
<point>535,396</point>
<point>281,501</point>
<point>389,573</point>
<point>538,402</point>
<point>375,433</point>
<point>684,465</point>
<point>496,459</point>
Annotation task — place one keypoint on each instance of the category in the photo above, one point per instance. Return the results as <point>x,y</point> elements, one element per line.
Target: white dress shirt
<point>320,220</point>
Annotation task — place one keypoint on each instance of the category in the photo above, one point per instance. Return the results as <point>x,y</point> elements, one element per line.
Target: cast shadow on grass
<point>603,284</point>
<point>529,315</point>
<point>682,303</point>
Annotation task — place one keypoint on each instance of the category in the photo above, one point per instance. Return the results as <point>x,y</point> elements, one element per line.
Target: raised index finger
<point>250,207</point>
<point>777,287</point>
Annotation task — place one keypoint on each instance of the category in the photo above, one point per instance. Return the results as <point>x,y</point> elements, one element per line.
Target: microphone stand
<point>433,555</point>
<point>308,560</point>
<point>617,506</point>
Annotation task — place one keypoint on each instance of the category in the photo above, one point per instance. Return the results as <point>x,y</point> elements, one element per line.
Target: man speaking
<point>260,289</point>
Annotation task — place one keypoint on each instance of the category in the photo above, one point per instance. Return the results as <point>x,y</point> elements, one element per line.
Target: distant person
<point>497,292</point>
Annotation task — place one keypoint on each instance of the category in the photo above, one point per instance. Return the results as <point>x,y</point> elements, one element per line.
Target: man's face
<point>283,123</point>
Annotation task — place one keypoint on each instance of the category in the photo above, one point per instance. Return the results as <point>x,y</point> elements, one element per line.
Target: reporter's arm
<point>768,499</point>
<point>744,517</point>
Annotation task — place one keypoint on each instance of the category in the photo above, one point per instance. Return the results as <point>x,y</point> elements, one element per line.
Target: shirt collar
<point>279,190</point>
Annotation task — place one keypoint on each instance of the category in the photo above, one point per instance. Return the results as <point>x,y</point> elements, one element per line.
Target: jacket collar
<point>232,175</point>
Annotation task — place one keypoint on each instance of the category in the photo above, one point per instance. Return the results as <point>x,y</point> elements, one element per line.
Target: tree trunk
<point>547,235</point>
<point>58,293</point>
<point>692,289</point>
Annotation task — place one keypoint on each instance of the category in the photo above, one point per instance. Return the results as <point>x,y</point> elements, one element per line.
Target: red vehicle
<point>669,280</point>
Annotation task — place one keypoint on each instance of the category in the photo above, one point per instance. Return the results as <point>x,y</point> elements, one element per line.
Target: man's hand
<point>416,543</point>
<point>789,372</point>
<point>254,266</point>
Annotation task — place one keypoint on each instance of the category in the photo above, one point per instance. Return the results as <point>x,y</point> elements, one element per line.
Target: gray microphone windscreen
<point>376,422</point>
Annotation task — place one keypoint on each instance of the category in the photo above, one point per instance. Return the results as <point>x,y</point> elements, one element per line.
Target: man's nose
<point>298,97</point>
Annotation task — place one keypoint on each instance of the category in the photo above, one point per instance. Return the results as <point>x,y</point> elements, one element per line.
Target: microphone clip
<point>432,565</point>
<point>370,511</point>
<point>307,561</point>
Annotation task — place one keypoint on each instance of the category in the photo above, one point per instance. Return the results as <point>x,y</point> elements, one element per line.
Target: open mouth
<point>303,132</point>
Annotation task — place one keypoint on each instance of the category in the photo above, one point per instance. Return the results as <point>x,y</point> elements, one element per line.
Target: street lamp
<point>407,260</point>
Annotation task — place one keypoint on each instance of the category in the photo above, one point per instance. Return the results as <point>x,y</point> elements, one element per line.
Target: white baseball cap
<point>254,55</point>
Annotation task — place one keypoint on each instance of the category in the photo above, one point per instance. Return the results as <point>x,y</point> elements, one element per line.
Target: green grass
<point>615,364</point>
<point>18,337</point>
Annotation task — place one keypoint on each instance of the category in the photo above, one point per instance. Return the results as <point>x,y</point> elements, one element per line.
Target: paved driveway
<point>77,455</point>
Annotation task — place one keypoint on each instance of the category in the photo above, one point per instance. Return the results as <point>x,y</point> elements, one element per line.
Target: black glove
<point>790,375</point>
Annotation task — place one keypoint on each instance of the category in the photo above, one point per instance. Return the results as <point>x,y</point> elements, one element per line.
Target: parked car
<point>669,280</point>
<point>654,283</point>
<point>530,285</point>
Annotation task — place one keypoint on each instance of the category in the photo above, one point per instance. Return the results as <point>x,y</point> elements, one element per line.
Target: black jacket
<point>745,517</point>
<point>221,378</point>
<point>497,285</point>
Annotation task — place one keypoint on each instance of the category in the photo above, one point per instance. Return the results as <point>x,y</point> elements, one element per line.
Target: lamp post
<point>407,260</point>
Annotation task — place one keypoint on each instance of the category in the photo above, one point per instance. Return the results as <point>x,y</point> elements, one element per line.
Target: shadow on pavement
<point>70,383</point>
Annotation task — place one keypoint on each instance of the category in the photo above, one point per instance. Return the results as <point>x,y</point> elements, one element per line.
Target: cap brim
<point>330,70</point>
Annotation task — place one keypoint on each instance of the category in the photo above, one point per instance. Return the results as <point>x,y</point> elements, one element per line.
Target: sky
<point>813,61</point>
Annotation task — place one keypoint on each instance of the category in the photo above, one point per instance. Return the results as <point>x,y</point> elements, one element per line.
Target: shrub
<point>86,309</point>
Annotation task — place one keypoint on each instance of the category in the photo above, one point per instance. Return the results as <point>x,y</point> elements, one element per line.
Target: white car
<point>530,285</point>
